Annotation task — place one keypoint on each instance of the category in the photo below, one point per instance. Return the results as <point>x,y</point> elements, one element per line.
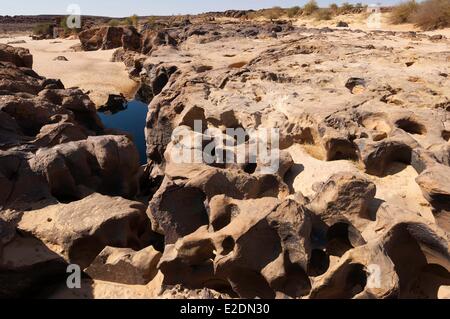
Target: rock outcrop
<point>282,162</point>
<point>55,160</point>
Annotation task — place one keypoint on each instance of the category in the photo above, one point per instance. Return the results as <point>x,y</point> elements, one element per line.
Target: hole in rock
<point>65,198</point>
<point>295,283</point>
<point>250,168</point>
<point>354,84</point>
<point>407,256</point>
<point>446,135</point>
<point>356,280</point>
<point>411,126</point>
<point>183,211</point>
<point>230,211</point>
<point>391,160</point>
<point>349,280</point>
<point>341,150</point>
<point>228,245</point>
<point>338,239</point>
<point>149,185</point>
<point>268,186</point>
<point>307,136</point>
<point>84,250</point>
<point>159,83</point>
<point>427,283</point>
<point>291,175</point>
<point>132,120</point>
<point>318,263</point>
<point>250,284</point>
<point>217,157</point>
<point>237,65</point>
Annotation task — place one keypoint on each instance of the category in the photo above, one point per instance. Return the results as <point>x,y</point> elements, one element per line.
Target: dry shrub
<point>253,15</point>
<point>323,14</point>
<point>293,12</point>
<point>274,13</point>
<point>114,22</point>
<point>346,8</point>
<point>404,12</point>
<point>433,14</point>
<point>310,7</point>
<point>132,20</point>
<point>334,8</point>
<point>42,28</point>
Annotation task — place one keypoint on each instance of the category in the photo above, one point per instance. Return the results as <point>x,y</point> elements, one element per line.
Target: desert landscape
<point>94,122</point>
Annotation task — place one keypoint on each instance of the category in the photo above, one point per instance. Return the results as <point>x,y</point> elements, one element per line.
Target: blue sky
<point>116,8</point>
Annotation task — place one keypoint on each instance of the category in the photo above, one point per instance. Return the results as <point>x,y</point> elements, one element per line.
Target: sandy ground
<point>91,71</point>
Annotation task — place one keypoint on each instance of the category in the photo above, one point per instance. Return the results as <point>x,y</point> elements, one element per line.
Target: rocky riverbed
<point>357,207</point>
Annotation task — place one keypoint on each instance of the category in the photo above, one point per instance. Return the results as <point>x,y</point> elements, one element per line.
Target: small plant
<point>42,29</point>
<point>323,14</point>
<point>334,8</point>
<point>132,21</point>
<point>114,23</point>
<point>404,12</point>
<point>63,25</point>
<point>346,8</point>
<point>252,15</point>
<point>310,7</point>
<point>274,13</point>
<point>433,14</point>
<point>293,12</point>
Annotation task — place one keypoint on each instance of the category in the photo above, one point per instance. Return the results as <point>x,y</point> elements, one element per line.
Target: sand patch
<point>90,71</point>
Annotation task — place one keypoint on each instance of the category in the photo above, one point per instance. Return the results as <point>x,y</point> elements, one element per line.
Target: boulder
<point>79,231</point>
<point>115,103</point>
<point>342,24</point>
<point>131,39</point>
<point>153,80</point>
<point>196,185</point>
<point>151,40</point>
<point>27,266</point>
<point>104,38</point>
<point>435,186</point>
<point>20,186</point>
<point>14,80</point>
<point>344,196</point>
<point>409,258</point>
<point>261,252</point>
<point>124,265</point>
<point>378,155</point>
<point>60,58</point>
<point>106,164</point>
<point>20,57</point>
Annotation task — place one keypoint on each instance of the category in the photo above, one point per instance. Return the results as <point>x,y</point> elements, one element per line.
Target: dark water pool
<point>130,119</point>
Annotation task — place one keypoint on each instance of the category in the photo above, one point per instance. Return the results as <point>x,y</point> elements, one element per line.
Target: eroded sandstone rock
<point>261,250</point>
<point>124,265</point>
<point>79,231</point>
<point>106,164</point>
<point>20,57</point>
